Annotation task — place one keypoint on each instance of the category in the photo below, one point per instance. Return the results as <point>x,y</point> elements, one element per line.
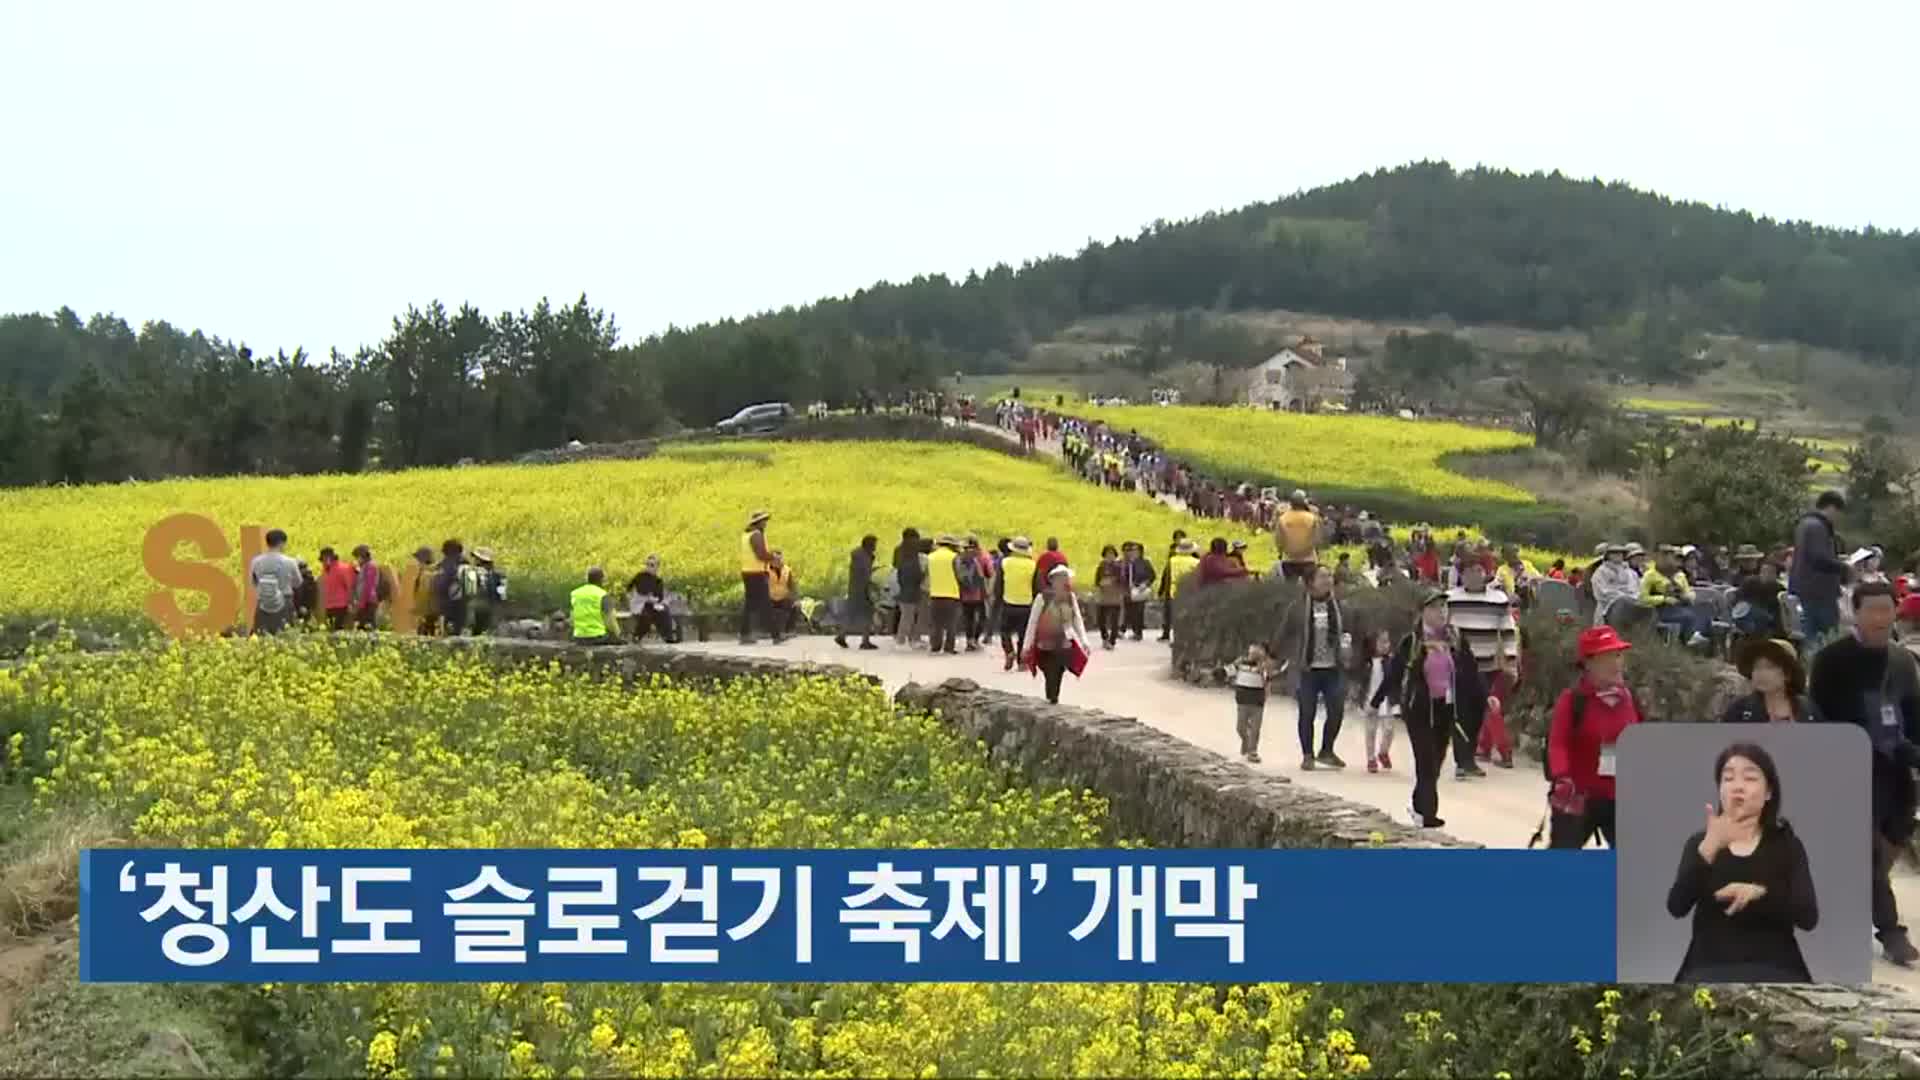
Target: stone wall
<point>1881,1025</point>
<point>1160,788</point>
<point>639,661</point>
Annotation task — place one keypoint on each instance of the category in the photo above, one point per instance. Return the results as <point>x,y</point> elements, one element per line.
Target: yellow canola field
<point>76,552</point>
<point>311,742</point>
<point>1335,453</point>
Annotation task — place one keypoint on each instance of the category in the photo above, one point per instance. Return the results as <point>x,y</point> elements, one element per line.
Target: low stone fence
<point>633,662</point>
<point>1158,787</point>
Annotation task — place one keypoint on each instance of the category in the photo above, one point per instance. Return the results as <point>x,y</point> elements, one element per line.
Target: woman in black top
<point>1772,667</point>
<point>647,600</point>
<point>1745,879</point>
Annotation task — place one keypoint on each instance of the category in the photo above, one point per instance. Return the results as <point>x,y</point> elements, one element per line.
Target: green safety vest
<point>588,620</point>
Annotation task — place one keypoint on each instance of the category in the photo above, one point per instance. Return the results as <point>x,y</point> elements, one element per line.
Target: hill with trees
<point>89,400</point>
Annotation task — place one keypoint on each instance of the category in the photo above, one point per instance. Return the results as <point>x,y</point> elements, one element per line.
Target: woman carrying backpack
<point>1588,720</point>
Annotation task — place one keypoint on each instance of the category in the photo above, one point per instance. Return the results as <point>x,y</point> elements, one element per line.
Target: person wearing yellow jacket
<point>1013,588</point>
<point>1665,589</point>
<point>943,594</point>
<point>1184,562</point>
<point>1516,575</point>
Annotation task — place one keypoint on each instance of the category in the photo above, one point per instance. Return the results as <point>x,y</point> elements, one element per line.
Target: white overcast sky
<point>296,174</point>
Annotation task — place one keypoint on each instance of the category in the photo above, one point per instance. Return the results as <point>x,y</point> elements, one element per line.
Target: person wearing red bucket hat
<point>1907,618</point>
<point>1588,720</point>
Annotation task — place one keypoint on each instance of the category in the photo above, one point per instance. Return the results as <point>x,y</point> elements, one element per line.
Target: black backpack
<point>1579,711</point>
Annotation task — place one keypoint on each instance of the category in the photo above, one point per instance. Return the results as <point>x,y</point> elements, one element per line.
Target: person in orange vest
<point>782,593</point>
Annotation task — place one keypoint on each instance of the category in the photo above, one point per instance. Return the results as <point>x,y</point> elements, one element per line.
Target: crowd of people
<point>460,593</point>
<point>1128,461</point>
<point>1443,683</point>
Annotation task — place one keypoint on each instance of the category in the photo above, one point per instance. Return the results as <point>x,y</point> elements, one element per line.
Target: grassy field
<point>1665,405</point>
<point>76,551</point>
<point>1040,389</point>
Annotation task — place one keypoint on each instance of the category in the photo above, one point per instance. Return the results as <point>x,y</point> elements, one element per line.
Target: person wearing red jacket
<point>1580,756</point>
<point>336,588</point>
<point>1426,561</point>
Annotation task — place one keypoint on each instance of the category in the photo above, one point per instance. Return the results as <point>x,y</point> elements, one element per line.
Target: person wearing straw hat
<point>1588,720</point>
<point>1434,677</point>
<point>756,559</point>
<point>489,591</point>
<point>1013,589</point>
<point>1746,563</point>
<point>943,594</point>
<point>1772,667</point>
<point>1056,633</point>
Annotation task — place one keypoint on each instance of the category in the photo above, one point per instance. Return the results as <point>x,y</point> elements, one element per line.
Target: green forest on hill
<point>94,399</point>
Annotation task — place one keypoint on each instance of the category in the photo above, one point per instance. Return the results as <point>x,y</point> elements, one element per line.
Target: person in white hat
<point>1056,633</point>
<point>1613,581</point>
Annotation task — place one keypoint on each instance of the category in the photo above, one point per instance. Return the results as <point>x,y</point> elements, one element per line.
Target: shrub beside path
<point>1135,680</point>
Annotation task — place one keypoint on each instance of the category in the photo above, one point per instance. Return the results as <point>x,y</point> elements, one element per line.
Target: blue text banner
<point>920,915</point>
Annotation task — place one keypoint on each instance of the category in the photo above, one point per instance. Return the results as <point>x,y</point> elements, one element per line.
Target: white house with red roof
<point>1299,377</point>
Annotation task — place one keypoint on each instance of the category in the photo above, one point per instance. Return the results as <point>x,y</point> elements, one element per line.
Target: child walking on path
<point>1250,676</point>
<point>1381,714</point>
<point>1495,745</point>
